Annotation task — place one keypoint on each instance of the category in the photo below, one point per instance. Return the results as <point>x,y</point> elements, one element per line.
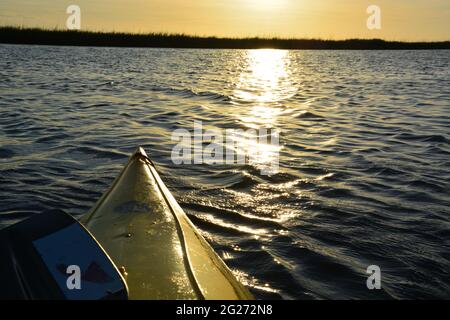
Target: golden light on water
<point>265,81</point>
<point>266,77</point>
<point>261,116</point>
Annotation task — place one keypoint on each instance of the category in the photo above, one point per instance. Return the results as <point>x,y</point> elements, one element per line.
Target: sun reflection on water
<point>266,77</point>
<point>264,83</point>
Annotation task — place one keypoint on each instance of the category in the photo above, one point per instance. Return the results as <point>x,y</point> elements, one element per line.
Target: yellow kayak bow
<point>152,241</point>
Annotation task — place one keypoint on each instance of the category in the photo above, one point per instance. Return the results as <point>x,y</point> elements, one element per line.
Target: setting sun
<point>260,5</point>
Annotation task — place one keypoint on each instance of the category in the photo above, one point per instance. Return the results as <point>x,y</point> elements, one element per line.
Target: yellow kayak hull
<point>152,241</point>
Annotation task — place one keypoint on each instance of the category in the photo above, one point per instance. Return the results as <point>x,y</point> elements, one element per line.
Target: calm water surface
<point>364,158</point>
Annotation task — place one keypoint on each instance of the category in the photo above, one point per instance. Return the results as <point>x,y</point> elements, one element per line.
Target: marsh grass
<point>21,35</point>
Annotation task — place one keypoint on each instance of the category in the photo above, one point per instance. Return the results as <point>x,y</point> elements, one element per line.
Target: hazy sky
<point>336,19</point>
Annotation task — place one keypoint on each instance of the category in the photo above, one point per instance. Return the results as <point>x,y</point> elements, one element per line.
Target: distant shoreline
<point>15,35</point>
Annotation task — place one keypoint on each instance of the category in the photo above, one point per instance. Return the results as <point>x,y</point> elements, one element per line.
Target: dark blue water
<point>364,160</point>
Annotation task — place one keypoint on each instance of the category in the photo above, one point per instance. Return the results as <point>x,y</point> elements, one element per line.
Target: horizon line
<point>57,36</point>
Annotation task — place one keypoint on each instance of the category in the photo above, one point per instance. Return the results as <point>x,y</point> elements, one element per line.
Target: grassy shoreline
<point>16,35</point>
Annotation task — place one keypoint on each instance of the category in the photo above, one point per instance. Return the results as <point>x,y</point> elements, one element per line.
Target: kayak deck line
<point>140,153</point>
<point>148,235</point>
